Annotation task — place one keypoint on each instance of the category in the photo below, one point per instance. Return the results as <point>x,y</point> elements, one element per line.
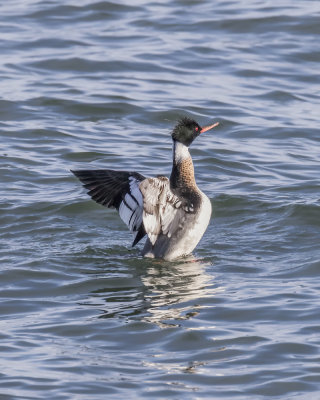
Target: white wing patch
<point>162,212</point>
<point>131,207</point>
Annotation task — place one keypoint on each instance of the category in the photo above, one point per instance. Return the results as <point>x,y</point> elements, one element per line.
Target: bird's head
<point>188,129</point>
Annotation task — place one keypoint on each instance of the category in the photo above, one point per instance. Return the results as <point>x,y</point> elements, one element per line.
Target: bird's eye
<point>196,129</point>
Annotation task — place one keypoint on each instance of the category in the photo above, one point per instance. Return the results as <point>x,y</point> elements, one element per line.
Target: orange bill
<point>207,128</point>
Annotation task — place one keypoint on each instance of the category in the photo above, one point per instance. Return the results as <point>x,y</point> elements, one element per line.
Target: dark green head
<point>187,130</point>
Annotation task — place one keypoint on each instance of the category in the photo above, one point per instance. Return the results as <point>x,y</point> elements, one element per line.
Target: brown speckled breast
<point>183,184</point>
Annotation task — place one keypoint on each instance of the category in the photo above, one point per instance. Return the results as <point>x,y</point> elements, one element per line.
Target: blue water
<point>99,84</point>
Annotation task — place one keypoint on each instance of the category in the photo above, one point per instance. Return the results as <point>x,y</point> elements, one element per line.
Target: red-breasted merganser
<point>174,213</point>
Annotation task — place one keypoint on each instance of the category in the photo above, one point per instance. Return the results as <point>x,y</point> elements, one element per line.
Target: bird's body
<point>174,213</point>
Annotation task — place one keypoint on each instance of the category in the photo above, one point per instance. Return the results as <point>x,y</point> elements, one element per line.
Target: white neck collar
<point>180,152</point>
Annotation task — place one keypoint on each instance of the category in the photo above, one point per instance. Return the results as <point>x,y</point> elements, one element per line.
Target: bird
<point>172,212</point>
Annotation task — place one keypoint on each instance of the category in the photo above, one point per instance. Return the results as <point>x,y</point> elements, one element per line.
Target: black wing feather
<point>106,186</point>
<point>109,188</point>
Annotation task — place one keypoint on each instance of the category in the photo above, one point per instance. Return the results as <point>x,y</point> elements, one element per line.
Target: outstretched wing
<point>163,212</point>
<point>120,190</point>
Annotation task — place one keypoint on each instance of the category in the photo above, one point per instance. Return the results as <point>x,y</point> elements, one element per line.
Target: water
<point>97,84</point>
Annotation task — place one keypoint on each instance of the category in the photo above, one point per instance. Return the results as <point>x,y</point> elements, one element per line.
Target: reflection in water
<point>173,288</point>
<point>159,292</point>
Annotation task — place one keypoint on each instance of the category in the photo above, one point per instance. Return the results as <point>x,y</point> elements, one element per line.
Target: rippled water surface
<point>99,84</point>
